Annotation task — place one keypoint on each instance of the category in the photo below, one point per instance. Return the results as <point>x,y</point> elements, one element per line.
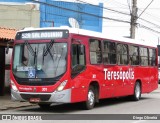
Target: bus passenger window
<point>109,53</point>
<point>133,55</point>
<point>122,54</point>
<point>144,56</point>
<point>95,52</point>
<point>152,57</point>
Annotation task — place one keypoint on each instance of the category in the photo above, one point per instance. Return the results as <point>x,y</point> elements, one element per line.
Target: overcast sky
<point>148,16</point>
<point>151,14</point>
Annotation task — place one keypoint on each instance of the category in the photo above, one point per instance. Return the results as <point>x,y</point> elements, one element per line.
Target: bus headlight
<point>62,85</point>
<point>13,86</point>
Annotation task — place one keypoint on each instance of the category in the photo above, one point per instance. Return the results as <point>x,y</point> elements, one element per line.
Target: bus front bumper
<point>55,97</point>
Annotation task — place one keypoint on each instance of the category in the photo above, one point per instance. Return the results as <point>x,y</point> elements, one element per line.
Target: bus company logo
<point>25,89</point>
<point>6,117</point>
<point>118,75</point>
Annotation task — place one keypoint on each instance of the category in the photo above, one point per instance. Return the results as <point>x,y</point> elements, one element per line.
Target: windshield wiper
<point>49,46</point>
<point>59,60</point>
<point>33,53</point>
<point>47,50</point>
<point>29,48</point>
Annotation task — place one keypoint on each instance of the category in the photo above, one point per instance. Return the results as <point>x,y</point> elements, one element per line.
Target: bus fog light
<point>13,86</point>
<point>60,96</point>
<point>62,85</point>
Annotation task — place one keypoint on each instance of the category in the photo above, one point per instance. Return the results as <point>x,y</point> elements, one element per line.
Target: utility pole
<point>133,19</point>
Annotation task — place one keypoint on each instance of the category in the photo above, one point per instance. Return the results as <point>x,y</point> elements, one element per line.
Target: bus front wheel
<point>91,98</point>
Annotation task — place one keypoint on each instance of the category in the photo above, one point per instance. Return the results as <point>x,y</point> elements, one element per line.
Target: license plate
<point>35,100</point>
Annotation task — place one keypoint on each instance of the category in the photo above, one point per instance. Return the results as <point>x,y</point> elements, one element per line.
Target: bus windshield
<point>39,60</point>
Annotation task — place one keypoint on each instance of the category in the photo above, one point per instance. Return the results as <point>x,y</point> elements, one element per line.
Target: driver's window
<point>78,59</point>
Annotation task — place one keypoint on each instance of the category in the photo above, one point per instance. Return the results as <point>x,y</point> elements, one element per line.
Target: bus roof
<point>94,34</point>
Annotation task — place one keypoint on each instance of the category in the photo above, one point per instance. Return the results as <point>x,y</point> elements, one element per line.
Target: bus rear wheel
<point>91,98</point>
<point>137,92</point>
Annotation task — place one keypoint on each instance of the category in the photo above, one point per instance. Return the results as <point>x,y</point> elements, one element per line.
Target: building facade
<point>73,14</point>
<point>18,14</point>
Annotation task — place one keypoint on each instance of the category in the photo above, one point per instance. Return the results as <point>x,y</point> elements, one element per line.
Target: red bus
<point>67,65</point>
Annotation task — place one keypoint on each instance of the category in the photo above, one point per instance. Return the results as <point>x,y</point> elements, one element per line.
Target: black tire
<point>44,106</point>
<point>137,92</point>
<point>91,99</point>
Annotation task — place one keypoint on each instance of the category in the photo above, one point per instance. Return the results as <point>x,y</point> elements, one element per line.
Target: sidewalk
<point>7,103</point>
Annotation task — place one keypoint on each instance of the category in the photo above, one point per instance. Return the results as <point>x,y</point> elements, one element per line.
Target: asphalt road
<point>149,104</point>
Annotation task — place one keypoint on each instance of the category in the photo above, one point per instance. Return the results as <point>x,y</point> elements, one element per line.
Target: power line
<point>128,14</point>
<point>44,12</point>
<point>150,22</point>
<point>118,3</point>
<point>125,13</point>
<point>148,28</point>
<point>145,9</point>
<point>151,16</point>
<point>93,15</point>
<point>118,20</point>
<point>129,6</point>
<point>104,8</point>
<point>142,13</point>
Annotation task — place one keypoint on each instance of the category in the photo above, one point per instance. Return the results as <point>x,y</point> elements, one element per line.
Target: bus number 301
<point>44,89</point>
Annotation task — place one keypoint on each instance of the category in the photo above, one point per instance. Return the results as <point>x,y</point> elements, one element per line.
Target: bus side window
<point>133,55</point>
<point>109,53</point>
<point>95,51</point>
<point>152,57</point>
<point>122,54</point>
<point>143,56</point>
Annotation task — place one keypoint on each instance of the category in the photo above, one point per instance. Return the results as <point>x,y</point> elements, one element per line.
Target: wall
<point>57,13</point>
<point>19,16</point>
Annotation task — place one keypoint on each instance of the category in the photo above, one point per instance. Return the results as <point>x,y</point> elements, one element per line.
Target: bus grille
<point>43,97</point>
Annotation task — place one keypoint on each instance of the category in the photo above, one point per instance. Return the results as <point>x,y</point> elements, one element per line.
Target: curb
<point>14,107</point>
<point>8,104</point>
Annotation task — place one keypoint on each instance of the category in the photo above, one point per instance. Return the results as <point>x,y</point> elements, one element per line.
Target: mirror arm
<point>8,43</point>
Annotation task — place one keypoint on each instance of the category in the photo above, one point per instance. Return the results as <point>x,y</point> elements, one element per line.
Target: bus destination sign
<point>42,34</point>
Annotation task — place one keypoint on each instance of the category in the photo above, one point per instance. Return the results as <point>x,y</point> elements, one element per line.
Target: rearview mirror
<point>8,43</point>
<point>158,46</point>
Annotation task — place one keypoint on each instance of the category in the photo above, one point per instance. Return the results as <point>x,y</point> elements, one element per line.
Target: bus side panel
<point>142,73</point>
<point>92,74</point>
<point>79,91</point>
<point>153,78</point>
<point>148,77</point>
